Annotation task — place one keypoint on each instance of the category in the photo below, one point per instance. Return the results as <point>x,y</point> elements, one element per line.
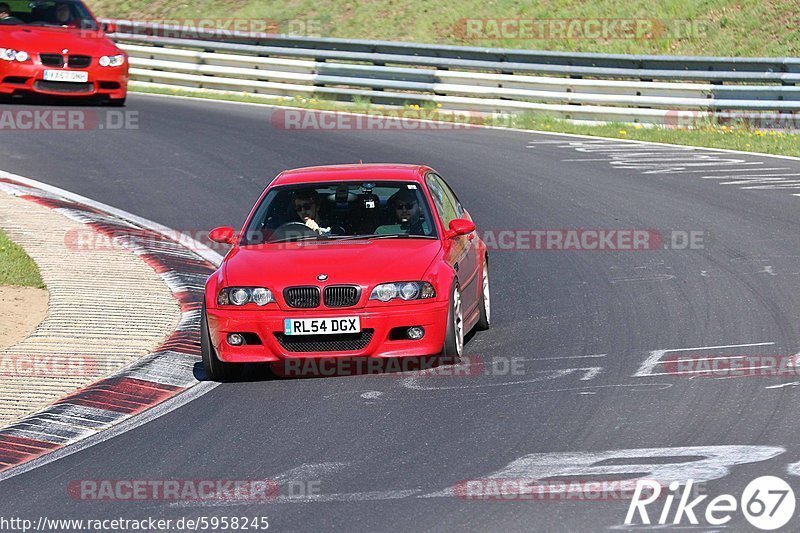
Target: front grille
<point>347,342</point>
<point>64,86</point>
<point>79,61</point>
<point>52,60</point>
<point>301,297</point>
<point>341,296</point>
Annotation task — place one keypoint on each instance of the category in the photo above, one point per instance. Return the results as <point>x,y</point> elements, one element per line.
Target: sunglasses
<point>407,207</point>
<point>303,207</point>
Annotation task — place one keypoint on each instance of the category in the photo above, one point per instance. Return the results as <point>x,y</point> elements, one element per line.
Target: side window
<point>445,201</point>
<point>453,197</point>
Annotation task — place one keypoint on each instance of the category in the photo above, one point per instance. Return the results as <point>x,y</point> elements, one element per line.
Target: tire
<point>485,320</point>
<point>216,370</point>
<point>117,102</point>
<point>453,347</point>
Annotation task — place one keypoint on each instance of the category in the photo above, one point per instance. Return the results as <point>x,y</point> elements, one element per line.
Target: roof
<point>358,172</point>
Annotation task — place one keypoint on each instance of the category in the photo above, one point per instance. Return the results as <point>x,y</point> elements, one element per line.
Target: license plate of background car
<point>73,76</point>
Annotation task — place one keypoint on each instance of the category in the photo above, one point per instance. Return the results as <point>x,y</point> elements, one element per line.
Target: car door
<point>461,252</point>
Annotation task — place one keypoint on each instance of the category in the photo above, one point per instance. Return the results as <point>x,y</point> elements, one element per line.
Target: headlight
<point>405,290</point>
<point>244,295</point>
<point>112,61</point>
<point>7,54</point>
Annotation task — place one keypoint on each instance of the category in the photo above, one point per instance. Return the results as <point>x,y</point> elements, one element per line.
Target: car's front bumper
<point>28,78</point>
<point>268,325</point>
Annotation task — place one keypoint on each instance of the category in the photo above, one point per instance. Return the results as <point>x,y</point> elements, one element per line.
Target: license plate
<point>74,76</point>
<point>321,326</point>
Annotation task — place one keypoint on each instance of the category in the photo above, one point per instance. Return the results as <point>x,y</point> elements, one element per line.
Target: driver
<point>408,214</point>
<point>5,15</point>
<point>306,205</point>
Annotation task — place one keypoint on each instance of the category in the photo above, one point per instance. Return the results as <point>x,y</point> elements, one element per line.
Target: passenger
<point>409,217</point>
<point>64,15</point>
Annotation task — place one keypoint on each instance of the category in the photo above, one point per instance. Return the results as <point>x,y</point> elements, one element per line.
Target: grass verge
<point>16,268</point>
<point>707,135</point>
<point>682,27</point>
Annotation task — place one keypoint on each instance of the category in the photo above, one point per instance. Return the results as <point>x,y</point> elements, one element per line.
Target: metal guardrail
<point>599,87</point>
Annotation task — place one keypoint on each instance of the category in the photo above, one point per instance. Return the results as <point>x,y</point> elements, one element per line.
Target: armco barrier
<point>577,86</point>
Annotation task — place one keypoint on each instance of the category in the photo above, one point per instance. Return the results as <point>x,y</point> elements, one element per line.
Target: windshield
<point>341,210</point>
<point>62,13</point>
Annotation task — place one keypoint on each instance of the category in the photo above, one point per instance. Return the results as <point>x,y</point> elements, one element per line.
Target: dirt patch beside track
<point>21,310</point>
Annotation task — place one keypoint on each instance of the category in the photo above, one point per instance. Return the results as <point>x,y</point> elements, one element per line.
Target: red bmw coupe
<point>57,48</point>
<point>372,261</point>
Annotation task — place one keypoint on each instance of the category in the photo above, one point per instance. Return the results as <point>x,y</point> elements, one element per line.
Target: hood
<point>35,39</point>
<point>363,263</point>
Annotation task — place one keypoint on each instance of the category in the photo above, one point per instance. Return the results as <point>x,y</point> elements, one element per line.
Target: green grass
<point>708,135</point>
<point>721,27</point>
<point>16,268</point>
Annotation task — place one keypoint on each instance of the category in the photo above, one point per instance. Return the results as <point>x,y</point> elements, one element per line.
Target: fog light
<point>415,333</point>
<point>234,339</point>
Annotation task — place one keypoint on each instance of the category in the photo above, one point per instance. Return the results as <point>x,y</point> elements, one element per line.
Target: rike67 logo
<point>768,503</point>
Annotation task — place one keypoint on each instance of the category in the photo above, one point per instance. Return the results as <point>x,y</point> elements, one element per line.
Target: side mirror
<point>223,235</point>
<point>109,27</point>
<point>460,226</point>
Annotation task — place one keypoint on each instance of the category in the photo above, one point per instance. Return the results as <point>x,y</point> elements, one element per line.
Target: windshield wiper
<point>299,239</point>
<point>383,236</point>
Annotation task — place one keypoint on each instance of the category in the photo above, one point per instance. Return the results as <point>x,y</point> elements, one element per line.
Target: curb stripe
<point>167,372</point>
<point>124,395</point>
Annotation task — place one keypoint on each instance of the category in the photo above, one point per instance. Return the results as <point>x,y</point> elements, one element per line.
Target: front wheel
<point>454,337</point>
<point>216,370</point>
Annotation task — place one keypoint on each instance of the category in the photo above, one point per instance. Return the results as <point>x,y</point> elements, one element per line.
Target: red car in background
<point>364,261</point>
<point>58,48</point>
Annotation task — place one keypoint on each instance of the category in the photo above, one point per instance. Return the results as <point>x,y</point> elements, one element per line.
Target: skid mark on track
<point>657,278</point>
<point>584,373</point>
<point>655,358</point>
<point>648,388</point>
<point>376,495</point>
<point>655,159</point>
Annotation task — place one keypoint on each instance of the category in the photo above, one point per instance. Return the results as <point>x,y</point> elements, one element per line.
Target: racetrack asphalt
<point>383,450</point>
